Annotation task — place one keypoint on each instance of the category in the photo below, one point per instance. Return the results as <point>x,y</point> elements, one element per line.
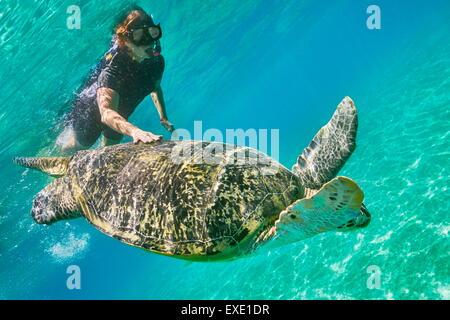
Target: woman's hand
<point>139,135</point>
<point>166,124</point>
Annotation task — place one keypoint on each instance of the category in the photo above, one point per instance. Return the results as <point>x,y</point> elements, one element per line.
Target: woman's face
<point>139,51</point>
<point>142,33</point>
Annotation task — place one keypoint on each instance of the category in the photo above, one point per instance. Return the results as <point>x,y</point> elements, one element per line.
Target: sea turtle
<point>166,198</point>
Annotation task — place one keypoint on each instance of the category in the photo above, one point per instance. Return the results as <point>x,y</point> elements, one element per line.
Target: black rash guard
<point>133,81</point>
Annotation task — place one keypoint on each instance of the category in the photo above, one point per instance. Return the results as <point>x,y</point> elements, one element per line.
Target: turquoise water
<point>244,64</point>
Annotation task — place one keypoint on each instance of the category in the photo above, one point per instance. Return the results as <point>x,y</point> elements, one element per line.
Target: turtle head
<point>337,206</point>
<point>55,202</point>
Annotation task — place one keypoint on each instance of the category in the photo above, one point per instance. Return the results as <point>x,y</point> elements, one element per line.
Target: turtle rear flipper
<point>337,206</point>
<point>55,202</point>
<point>330,148</point>
<point>54,166</point>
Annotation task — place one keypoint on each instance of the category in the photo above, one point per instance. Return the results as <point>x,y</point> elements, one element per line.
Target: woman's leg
<point>81,127</point>
<point>68,143</point>
<point>110,137</point>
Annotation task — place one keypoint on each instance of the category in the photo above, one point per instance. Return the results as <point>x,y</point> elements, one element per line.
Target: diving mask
<point>150,33</point>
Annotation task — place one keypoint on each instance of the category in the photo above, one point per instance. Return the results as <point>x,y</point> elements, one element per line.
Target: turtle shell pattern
<point>186,207</point>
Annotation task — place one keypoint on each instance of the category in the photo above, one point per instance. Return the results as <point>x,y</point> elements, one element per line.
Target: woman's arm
<point>108,103</point>
<point>158,100</point>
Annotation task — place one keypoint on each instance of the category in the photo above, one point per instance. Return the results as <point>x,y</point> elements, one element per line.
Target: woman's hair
<point>123,20</point>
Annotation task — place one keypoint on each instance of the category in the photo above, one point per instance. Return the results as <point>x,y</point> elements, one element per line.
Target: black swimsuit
<point>118,71</point>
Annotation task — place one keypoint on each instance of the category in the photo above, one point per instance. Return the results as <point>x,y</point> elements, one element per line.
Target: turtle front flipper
<point>330,148</point>
<point>55,202</point>
<point>337,206</point>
